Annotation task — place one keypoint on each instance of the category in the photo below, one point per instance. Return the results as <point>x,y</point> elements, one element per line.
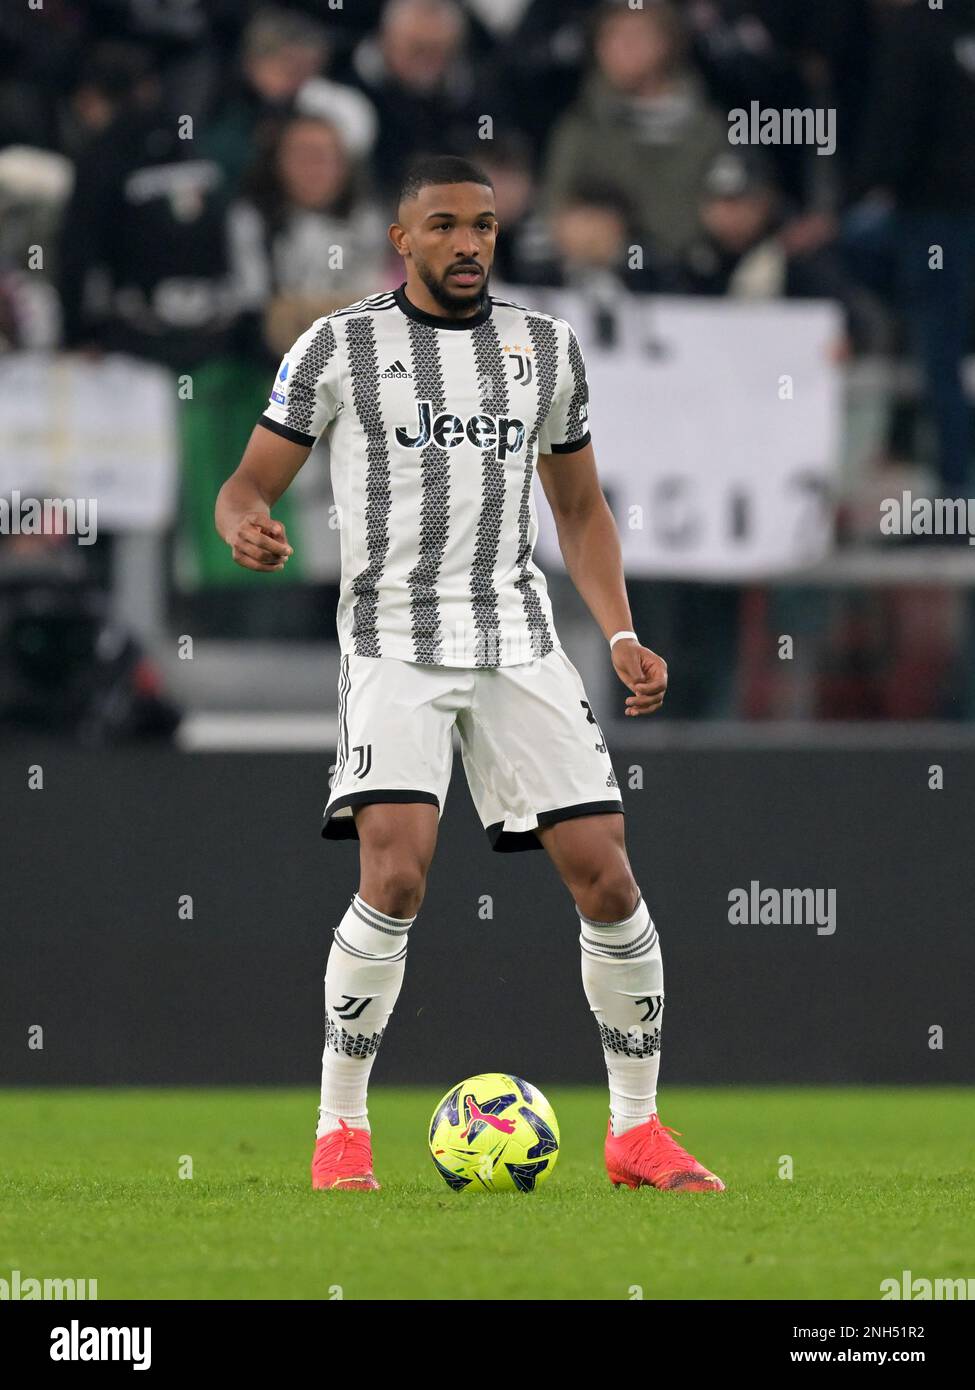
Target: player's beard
<point>442,293</point>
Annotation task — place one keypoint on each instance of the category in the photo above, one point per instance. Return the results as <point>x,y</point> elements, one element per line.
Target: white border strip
<point>256,733</point>
<point>227,733</point>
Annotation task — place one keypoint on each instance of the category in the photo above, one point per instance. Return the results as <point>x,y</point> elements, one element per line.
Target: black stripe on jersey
<point>546,352</point>
<point>492,377</point>
<point>521,308</point>
<point>373,303</point>
<point>510,304</point>
<point>360,340</point>
<point>296,436</point>
<point>343,739</point>
<point>580,397</point>
<point>524,309</point>
<point>572,447</point>
<point>300,411</point>
<point>434,501</point>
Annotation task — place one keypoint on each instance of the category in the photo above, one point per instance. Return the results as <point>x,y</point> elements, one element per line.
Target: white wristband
<point>617,635</point>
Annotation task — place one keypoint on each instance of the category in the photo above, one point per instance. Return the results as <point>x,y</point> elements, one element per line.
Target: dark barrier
<point>94,948</point>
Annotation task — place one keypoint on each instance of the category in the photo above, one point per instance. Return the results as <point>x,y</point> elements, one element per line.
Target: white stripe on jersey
<point>434,427</point>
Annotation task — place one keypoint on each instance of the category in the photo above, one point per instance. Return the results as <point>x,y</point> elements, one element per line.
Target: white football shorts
<point>531,747</point>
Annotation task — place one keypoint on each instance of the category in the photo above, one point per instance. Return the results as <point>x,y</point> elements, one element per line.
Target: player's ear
<point>396,235</point>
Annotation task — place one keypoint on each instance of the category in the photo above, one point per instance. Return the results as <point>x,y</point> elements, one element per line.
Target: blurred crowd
<point>193,181</point>
<point>189,167</point>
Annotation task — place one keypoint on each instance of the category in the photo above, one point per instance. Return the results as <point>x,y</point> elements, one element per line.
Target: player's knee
<point>608,893</point>
<point>396,887</point>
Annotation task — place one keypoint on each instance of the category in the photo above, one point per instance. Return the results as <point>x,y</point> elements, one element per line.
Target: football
<point>494,1133</point>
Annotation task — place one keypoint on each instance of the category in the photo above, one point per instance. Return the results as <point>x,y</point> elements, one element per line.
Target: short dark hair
<point>440,168</point>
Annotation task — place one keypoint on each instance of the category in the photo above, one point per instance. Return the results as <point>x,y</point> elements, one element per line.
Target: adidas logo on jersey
<point>397,371</point>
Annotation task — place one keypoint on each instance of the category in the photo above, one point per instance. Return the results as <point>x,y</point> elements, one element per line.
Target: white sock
<point>622,973</point>
<point>363,978</point>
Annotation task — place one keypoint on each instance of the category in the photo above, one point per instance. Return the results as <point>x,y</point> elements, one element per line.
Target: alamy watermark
<point>49,516</point>
<point>764,125</point>
<point>907,1287</point>
<point>756,906</point>
<point>20,1289</point>
<point>908,515</point>
<point>78,1343</point>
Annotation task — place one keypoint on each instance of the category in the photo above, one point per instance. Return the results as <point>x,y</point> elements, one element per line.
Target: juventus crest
<point>524,367</point>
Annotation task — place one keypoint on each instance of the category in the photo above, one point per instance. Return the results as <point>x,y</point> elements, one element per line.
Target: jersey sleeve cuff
<point>285,431</point>
<point>572,447</point>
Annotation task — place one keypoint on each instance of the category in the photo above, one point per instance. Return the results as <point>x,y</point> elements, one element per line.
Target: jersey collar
<point>438,320</point>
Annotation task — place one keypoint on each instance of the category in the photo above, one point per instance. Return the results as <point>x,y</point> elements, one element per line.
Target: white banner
<point>716,429</point>
<point>104,430</point>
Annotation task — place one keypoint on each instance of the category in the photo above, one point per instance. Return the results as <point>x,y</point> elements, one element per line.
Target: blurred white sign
<point>716,429</point>
<point>103,430</point>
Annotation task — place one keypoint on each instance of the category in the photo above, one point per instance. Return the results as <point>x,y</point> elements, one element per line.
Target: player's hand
<point>258,543</point>
<point>644,672</point>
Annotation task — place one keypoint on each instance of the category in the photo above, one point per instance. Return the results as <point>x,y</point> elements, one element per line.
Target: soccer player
<point>439,401</point>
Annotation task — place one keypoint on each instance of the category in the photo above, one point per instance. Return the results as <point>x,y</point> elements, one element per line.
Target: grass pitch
<point>883,1181</point>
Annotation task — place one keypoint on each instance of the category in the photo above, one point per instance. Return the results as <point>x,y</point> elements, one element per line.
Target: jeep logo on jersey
<point>499,432</point>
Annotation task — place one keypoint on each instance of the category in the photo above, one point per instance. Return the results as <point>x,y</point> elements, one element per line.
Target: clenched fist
<point>258,543</point>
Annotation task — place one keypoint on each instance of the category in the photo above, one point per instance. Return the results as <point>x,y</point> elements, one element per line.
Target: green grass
<point>883,1181</point>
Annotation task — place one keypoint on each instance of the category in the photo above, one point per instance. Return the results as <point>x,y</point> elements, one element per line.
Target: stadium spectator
<point>36,183</point>
<point>536,54</point>
<point>744,250</point>
<point>280,51</point>
<point>915,169</point>
<point>34,187</point>
<point>524,253</point>
<point>788,54</point>
<point>595,235</point>
<point>39,53</point>
<point>305,239</point>
<point>642,121</point>
<point>143,256</point>
<point>112,76</point>
<point>417,74</point>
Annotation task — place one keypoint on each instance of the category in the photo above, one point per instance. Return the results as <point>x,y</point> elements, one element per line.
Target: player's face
<point>452,230</point>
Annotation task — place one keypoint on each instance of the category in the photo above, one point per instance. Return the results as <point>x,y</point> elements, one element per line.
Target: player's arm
<point>588,537</point>
<point>243,510</point>
<point>590,546</point>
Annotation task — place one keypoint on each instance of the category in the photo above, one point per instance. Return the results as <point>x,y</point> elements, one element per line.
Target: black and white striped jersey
<point>434,426</point>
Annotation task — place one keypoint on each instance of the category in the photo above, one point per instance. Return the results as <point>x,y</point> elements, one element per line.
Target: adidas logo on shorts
<point>611,780</point>
<point>397,371</point>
